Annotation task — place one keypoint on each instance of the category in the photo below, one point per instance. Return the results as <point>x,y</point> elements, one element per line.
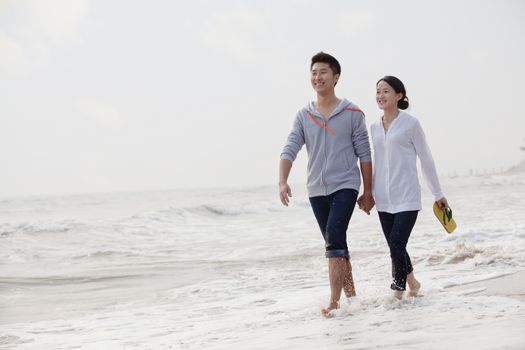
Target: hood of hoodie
<point>344,103</point>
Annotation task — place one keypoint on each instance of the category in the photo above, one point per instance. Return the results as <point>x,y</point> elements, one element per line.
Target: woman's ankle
<point>398,294</point>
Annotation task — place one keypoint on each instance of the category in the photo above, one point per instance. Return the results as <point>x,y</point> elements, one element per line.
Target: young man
<point>335,135</point>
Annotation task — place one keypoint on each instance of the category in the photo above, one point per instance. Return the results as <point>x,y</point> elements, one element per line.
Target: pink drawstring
<point>322,126</point>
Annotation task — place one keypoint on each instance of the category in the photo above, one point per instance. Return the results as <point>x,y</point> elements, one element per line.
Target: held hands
<point>285,193</point>
<point>366,202</point>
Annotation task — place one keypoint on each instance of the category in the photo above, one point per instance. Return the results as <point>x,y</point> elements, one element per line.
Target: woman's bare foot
<point>398,294</point>
<point>414,288</point>
<point>413,285</point>
<point>327,312</point>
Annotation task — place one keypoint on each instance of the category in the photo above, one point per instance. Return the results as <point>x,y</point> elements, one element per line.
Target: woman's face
<point>386,97</point>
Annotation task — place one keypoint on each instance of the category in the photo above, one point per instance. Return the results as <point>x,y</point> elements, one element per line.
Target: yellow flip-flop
<point>444,215</point>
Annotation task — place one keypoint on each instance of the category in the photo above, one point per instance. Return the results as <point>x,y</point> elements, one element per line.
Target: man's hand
<point>285,193</point>
<point>366,202</point>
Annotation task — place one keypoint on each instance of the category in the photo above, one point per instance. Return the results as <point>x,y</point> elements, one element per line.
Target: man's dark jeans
<point>333,213</point>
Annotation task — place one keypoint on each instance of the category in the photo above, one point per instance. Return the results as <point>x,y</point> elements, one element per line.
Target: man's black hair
<point>326,58</point>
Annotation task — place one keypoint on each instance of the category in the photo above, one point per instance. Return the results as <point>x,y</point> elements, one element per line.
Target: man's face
<point>322,77</point>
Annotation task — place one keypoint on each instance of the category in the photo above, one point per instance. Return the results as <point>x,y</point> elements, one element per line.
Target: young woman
<point>398,140</point>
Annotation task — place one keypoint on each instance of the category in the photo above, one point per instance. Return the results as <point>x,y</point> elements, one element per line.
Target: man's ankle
<point>334,305</point>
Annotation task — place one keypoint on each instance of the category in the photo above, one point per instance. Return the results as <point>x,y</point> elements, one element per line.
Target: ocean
<point>234,269</point>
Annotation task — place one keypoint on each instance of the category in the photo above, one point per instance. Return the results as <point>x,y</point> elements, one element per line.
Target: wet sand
<point>511,285</point>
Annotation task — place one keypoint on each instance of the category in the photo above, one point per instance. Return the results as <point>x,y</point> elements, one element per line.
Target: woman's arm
<point>427,162</point>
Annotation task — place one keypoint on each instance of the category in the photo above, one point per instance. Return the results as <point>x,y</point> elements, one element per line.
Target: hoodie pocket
<point>339,167</point>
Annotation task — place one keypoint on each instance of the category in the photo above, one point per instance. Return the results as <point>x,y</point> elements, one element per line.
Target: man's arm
<point>293,145</point>
<point>285,192</point>
<point>362,150</point>
<point>366,201</point>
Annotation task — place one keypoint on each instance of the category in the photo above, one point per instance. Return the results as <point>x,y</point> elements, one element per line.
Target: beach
<point>234,269</point>
<point>510,286</point>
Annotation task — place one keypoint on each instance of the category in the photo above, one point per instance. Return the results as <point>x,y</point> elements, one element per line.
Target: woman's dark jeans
<point>397,228</point>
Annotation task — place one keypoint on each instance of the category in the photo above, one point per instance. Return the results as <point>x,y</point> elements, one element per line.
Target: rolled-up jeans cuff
<point>338,253</point>
<point>395,287</point>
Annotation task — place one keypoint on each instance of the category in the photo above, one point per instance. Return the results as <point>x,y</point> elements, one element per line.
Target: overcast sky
<point>99,95</point>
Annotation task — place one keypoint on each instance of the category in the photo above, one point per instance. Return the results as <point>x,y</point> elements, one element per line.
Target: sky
<point>107,95</point>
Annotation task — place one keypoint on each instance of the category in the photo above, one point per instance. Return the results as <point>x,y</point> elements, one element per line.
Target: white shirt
<point>396,186</point>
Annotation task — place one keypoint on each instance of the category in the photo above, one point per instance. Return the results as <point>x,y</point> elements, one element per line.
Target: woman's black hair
<point>399,88</point>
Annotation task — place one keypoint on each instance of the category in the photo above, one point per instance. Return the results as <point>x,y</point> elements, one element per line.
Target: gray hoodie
<point>333,147</point>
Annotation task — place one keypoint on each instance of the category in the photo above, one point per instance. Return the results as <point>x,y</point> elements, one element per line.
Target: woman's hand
<point>366,202</point>
<point>443,203</point>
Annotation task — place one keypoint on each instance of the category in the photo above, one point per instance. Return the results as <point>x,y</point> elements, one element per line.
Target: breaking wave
<point>37,228</point>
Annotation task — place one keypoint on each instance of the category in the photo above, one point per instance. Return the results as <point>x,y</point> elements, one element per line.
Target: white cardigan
<point>396,186</point>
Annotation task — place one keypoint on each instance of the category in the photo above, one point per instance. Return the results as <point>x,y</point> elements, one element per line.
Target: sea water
<point>234,269</point>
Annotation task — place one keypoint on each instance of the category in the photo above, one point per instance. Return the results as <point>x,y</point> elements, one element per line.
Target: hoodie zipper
<point>324,125</point>
<point>325,160</point>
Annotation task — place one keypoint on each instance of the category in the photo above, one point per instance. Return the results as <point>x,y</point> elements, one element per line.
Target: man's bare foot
<point>348,284</point>
<point>327,312</point>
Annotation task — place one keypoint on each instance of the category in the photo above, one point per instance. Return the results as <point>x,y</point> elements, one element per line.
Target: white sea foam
<point>233,269</point>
